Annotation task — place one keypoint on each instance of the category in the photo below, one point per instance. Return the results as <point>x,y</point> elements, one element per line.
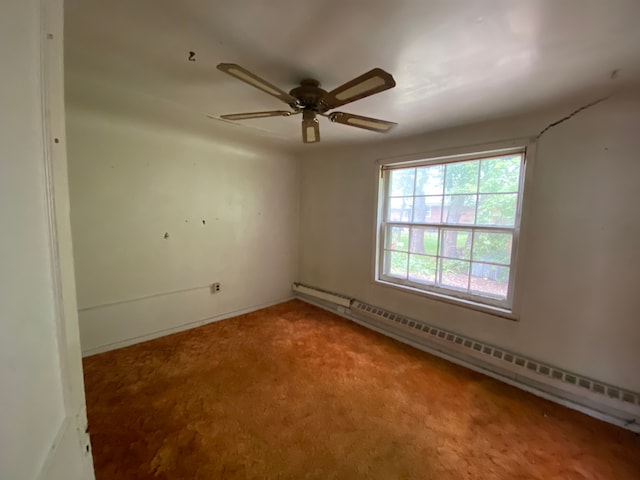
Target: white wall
<point>39,437</point>
<point>581,262</point>
<point>133,181</point>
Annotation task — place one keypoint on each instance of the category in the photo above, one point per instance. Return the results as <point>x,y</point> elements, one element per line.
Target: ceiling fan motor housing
<point>310,96</point>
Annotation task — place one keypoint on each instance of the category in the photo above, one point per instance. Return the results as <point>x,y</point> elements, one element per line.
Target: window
<point>450,226</point>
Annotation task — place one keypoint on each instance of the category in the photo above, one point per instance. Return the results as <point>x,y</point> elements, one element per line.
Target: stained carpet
<point>294,392</point>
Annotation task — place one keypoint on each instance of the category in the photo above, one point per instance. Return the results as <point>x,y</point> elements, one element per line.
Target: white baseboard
<point>69,457</point>
<point>538,388</point>
<point>179,328</point>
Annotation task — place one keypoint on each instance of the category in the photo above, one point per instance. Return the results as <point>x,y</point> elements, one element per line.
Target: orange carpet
<point>294,392</point>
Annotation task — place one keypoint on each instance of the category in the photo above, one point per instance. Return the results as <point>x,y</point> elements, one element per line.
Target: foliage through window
<point>451,227</point>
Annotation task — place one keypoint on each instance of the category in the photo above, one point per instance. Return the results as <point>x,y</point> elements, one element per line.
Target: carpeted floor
<point>294,392</point>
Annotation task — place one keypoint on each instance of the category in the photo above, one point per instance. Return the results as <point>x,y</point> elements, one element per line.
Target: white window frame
<point>508,308</point>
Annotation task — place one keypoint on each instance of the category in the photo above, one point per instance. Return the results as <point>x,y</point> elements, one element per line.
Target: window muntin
<point>451,227</point>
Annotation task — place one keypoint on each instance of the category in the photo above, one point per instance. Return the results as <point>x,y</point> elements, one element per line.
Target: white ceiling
<point>454,62</point>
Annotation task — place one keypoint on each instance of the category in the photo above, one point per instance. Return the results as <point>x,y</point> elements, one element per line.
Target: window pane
<point>498,209</point>
<point>454,274</point>
<point>395,264</point>
<point>398,238</point>
<point>490,280</point>
<point>500,174</point>
<point>401,182</point>
<point>430,180</point>
<point>449,227</point>
<point>400,209</point>
<point>459,209</point>
<point>427,209</point>
<point>422,269</point>
<point>424,240</point>
<point>492,247</point>
<point>456,243</point>
<point>462,177</point>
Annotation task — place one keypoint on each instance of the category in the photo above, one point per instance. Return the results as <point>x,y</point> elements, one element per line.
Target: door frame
<point>72,442</point>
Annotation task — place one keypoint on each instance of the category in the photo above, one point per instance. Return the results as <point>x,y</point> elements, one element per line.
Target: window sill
<point>488,309</point>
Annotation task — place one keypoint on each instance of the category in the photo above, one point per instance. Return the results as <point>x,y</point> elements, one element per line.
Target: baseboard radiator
<point>607,402</point>
<point>323,295</point>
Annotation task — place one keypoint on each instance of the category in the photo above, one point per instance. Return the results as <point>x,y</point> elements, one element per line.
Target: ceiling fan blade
<point>255,81</point>
<point>359,121</point>
<point>372,82</point>
<point>310,128</point>
<point>246,116</point>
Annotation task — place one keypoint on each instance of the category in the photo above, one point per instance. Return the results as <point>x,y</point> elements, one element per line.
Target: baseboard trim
<point>69,457</point>
<point>538,388</point>
<point>53,450</point>
<point>179,328</point>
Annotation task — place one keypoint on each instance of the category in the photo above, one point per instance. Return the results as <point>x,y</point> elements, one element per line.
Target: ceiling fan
<point>310,100</point>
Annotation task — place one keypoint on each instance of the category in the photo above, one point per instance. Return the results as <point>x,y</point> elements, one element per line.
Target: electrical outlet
<point>215,288</point>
